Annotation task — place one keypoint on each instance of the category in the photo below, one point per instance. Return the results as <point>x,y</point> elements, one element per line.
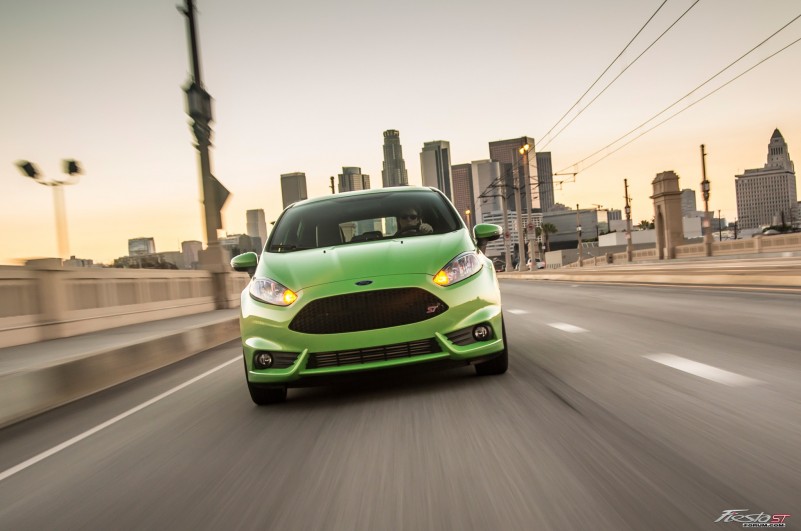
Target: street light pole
<point>529,231</point>
<point>578,229</point>
<point>72,169</point>
<point>705,189</point>
<point>214,194</point>
<point>518,211</point>
<point>506,232</point>
<point>629,249</point>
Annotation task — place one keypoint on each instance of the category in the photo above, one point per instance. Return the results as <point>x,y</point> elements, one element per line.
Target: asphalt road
<point>602,422</point>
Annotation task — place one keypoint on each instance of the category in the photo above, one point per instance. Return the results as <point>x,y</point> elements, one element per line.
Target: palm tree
<point>544,230</point>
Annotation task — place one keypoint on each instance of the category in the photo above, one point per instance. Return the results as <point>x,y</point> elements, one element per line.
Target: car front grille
<point>367,311</point>
<point>319,360</point>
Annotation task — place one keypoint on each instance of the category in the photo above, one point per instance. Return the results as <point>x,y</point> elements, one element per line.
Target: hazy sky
<point>311,85</point>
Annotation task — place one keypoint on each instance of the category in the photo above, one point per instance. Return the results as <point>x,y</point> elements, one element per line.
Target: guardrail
<point>762,244</point>
<point>49,303</point>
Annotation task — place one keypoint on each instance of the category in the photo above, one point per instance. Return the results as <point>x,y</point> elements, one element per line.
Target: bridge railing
<point>38,304</point>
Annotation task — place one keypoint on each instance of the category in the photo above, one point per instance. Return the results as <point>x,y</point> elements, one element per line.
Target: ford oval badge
<point>364,282</point>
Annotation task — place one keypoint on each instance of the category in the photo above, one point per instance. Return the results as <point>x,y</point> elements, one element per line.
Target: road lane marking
<point>88,433</point>
<point>565,327</point>
<point>701,369</point>
<point>517,312</point>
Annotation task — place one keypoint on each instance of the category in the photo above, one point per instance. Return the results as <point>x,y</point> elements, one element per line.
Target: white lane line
<point>78,438</point>
<point>517,312</point>
<point>565,327</point>
<point>704,371</point>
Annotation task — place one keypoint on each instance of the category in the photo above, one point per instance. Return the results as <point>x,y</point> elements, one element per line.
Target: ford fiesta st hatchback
<point>364,282</point>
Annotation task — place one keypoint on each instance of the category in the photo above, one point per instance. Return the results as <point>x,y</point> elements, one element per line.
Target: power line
<point>680,111</point>
<point>620,74</point>
<point>606,69</point>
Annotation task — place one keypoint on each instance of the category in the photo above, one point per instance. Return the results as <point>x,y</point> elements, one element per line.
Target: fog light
<point>263,360</point>
<point>482,332</point>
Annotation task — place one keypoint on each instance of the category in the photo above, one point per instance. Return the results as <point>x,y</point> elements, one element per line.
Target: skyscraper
<point>257,227</point>
<point>506,152</point>
<point>545,179</point>
<point>293,187</point>
<point>352,179</point>
<point>689,209</point>
<point>394,172</point>
<point>463,196</point>
<point>486,188</point>
<point>768,195</point>
<point>435,166</point>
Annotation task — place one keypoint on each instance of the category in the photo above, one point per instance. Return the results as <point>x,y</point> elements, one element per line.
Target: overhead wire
<point>652,118</point>
<point>606,69</point>
<point>690,105</point>
<point>620,74</point>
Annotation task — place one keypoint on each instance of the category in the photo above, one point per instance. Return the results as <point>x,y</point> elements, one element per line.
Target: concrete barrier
<point>39,388</point>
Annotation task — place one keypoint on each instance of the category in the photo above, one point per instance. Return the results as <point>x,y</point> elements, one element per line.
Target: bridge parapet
<point>38,304</point>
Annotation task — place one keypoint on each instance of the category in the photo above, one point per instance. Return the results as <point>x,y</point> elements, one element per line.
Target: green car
<point>361,283</point>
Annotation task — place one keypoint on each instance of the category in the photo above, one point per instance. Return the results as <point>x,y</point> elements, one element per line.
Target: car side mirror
<point>246,262</point>
<point>485,233</point>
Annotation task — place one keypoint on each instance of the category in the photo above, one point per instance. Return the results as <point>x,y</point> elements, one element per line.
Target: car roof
<point>372,191</point>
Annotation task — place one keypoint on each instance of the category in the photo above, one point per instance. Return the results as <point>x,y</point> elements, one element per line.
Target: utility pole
<point>530,236</point>
<point>629,250</point>
<point>213,193</point>
<point>332,185</point>
<point>519,213</point>
<point>720,228</point>
<point>705,188</point>
<point>507,235</point>
<point>578,229</point>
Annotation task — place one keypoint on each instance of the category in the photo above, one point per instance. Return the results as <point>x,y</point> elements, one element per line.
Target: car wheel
<point>498,364</point>
<point>263,396</point>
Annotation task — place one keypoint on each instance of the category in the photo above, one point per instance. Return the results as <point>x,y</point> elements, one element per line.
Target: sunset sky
<point>311,85</point>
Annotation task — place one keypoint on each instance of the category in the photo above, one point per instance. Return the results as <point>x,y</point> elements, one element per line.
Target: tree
<point>544,230</point>
<point>645,224</point>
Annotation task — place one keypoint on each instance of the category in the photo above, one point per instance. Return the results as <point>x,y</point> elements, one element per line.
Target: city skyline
<point>109,96</point>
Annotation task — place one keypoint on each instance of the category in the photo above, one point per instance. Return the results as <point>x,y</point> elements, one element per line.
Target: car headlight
<point>271,292</point>
<point>463,266</point>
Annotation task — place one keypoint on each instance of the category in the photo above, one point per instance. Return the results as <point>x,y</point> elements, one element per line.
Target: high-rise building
<point>293,187</point>
<point>257,227</point>
<point>394,172</point>
<point>435,166</point>
<point>141,246</point>
<point>487,188</point>
<point>768,195</point>
<point>689,208</point>
<point>463,196</point>
<point>545,179</point>
<point>352,179</point>
<point>506,152</point>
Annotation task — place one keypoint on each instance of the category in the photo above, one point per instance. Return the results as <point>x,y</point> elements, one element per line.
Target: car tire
<point>263,396</point>
<point>498,364</point>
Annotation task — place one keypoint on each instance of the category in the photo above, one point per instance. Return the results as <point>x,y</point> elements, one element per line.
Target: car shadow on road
<point>371,388</point>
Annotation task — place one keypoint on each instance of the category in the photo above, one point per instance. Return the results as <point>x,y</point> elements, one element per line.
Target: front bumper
<point>471,302</point>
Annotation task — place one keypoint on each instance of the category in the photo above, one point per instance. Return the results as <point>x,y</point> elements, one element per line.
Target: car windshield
<point>362,218</point>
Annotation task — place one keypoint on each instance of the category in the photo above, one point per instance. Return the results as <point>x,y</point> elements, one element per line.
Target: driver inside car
<point>410,223</point>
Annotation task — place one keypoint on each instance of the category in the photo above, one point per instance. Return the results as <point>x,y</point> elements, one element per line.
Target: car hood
<point>397,256</point>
